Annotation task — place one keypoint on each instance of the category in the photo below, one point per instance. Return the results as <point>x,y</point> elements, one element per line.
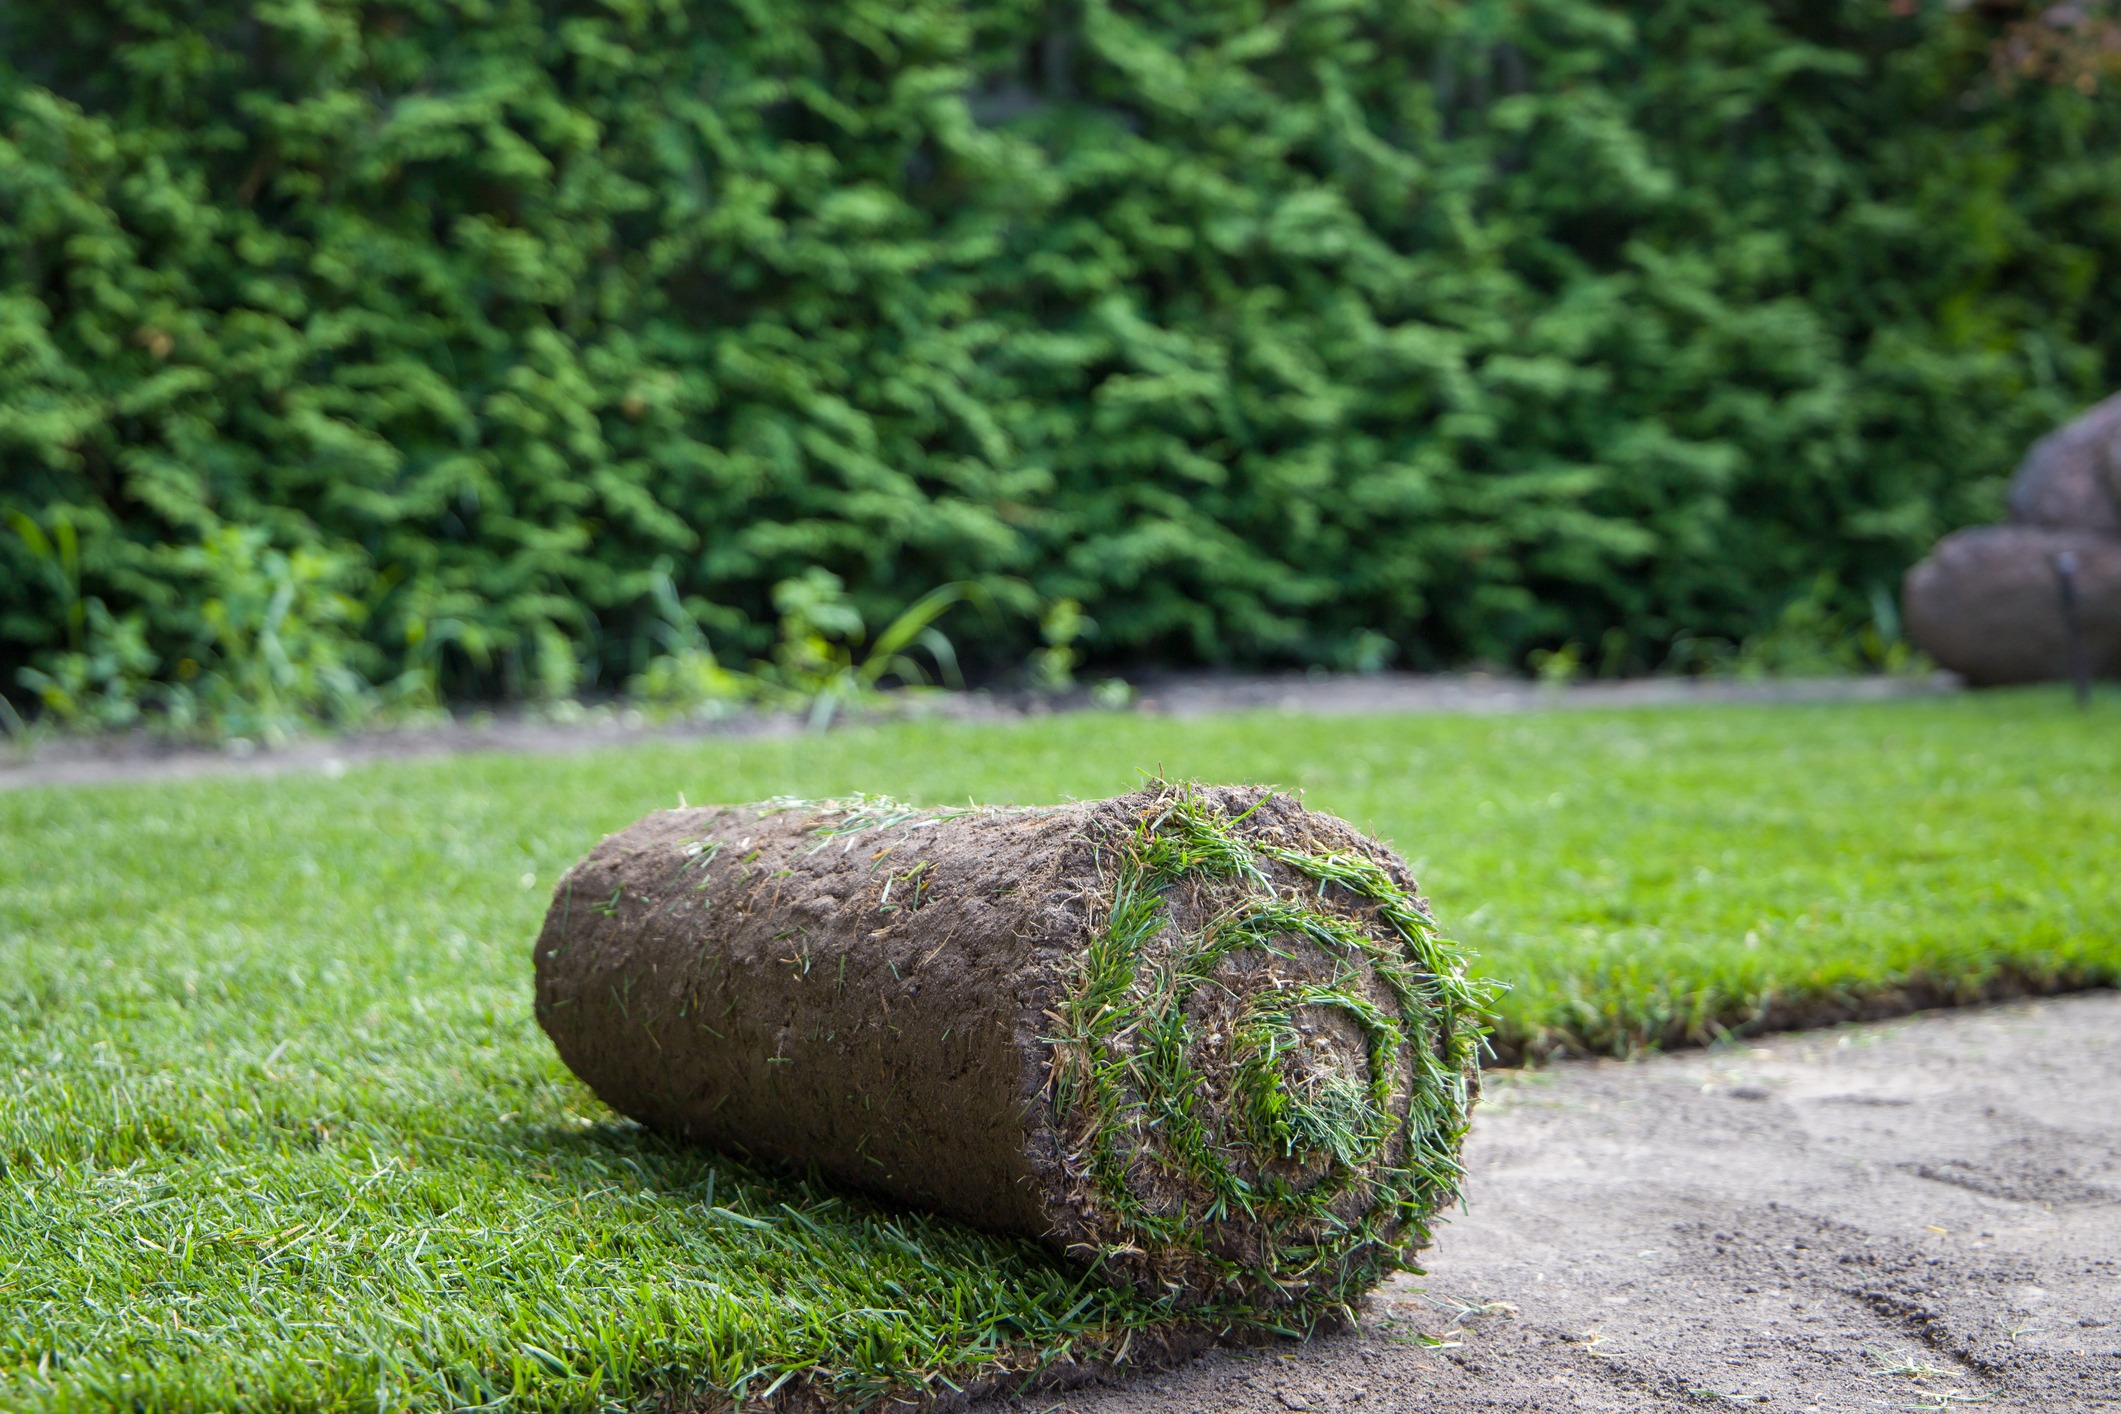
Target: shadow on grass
<point>600,1153</point>
<point>1008,1315</point>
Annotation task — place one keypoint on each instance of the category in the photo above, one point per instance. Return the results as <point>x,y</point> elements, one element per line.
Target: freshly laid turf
<point>277,1128</point>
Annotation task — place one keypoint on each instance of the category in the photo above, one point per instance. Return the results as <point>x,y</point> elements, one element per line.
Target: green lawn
<point>277,1128</point>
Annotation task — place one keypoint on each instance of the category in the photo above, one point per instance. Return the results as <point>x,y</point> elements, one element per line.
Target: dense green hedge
<point>1263,329</point>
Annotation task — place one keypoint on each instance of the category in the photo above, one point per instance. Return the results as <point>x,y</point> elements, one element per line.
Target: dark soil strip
<point>1918,993</point>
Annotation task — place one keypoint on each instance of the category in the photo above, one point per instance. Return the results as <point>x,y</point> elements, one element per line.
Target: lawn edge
<point>1158,1347</point>
<point>1920,991</point>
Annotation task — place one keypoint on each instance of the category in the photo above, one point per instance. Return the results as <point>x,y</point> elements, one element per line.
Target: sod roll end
<point>1201,1039</point>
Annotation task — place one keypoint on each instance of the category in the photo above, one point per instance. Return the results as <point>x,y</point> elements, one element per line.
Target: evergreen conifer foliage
<point>1261,330</point>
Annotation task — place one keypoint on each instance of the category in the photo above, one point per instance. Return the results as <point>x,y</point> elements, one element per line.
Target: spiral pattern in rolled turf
<point>1201,1039</point>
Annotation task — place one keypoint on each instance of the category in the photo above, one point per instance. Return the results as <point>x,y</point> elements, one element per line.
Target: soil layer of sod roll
<point>1200,1038</point>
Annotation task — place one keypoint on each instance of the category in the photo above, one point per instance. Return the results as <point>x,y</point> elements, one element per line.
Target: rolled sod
<point>1201,1039</point>
<point>2071,478</point>
<point>1987,603</point>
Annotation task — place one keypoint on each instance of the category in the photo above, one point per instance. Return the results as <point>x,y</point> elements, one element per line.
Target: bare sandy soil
<point>1918,1214</point>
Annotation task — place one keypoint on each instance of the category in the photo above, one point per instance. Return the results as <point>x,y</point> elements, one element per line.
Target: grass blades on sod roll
<point>1197,1036</point>
<point>277,1127</point>
<point>1180,1112</point>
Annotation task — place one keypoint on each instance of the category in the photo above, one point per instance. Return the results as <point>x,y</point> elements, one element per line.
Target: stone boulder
<point>2071,479</point>
<point>1987,602</point>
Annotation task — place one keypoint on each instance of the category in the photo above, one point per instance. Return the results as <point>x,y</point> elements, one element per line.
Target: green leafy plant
<point>275,647</point>
<point>104,678</point>
<point>825,661</point>
<point>107,682</point>
<point>685,677</point>
<point>1814,635</point>
<point>1556,667</point>
<point>281,640</point>
<point>1062,626</point>
<point>1368,652</point>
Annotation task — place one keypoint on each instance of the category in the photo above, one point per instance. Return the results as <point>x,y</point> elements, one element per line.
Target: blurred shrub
<point>1814,635</point>
<point>1334,331</point>
<point>1062,627</point>
<point>100,676</point>
<point>280,646</point>
<point>824,659</point>
<point>685,679</point>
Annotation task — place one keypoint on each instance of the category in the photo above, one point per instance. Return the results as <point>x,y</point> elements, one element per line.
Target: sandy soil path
<point>1918,1214</point>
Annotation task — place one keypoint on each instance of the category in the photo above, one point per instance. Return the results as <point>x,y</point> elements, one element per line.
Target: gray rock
<point>1987,603</point>
<point>2071,479</point>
